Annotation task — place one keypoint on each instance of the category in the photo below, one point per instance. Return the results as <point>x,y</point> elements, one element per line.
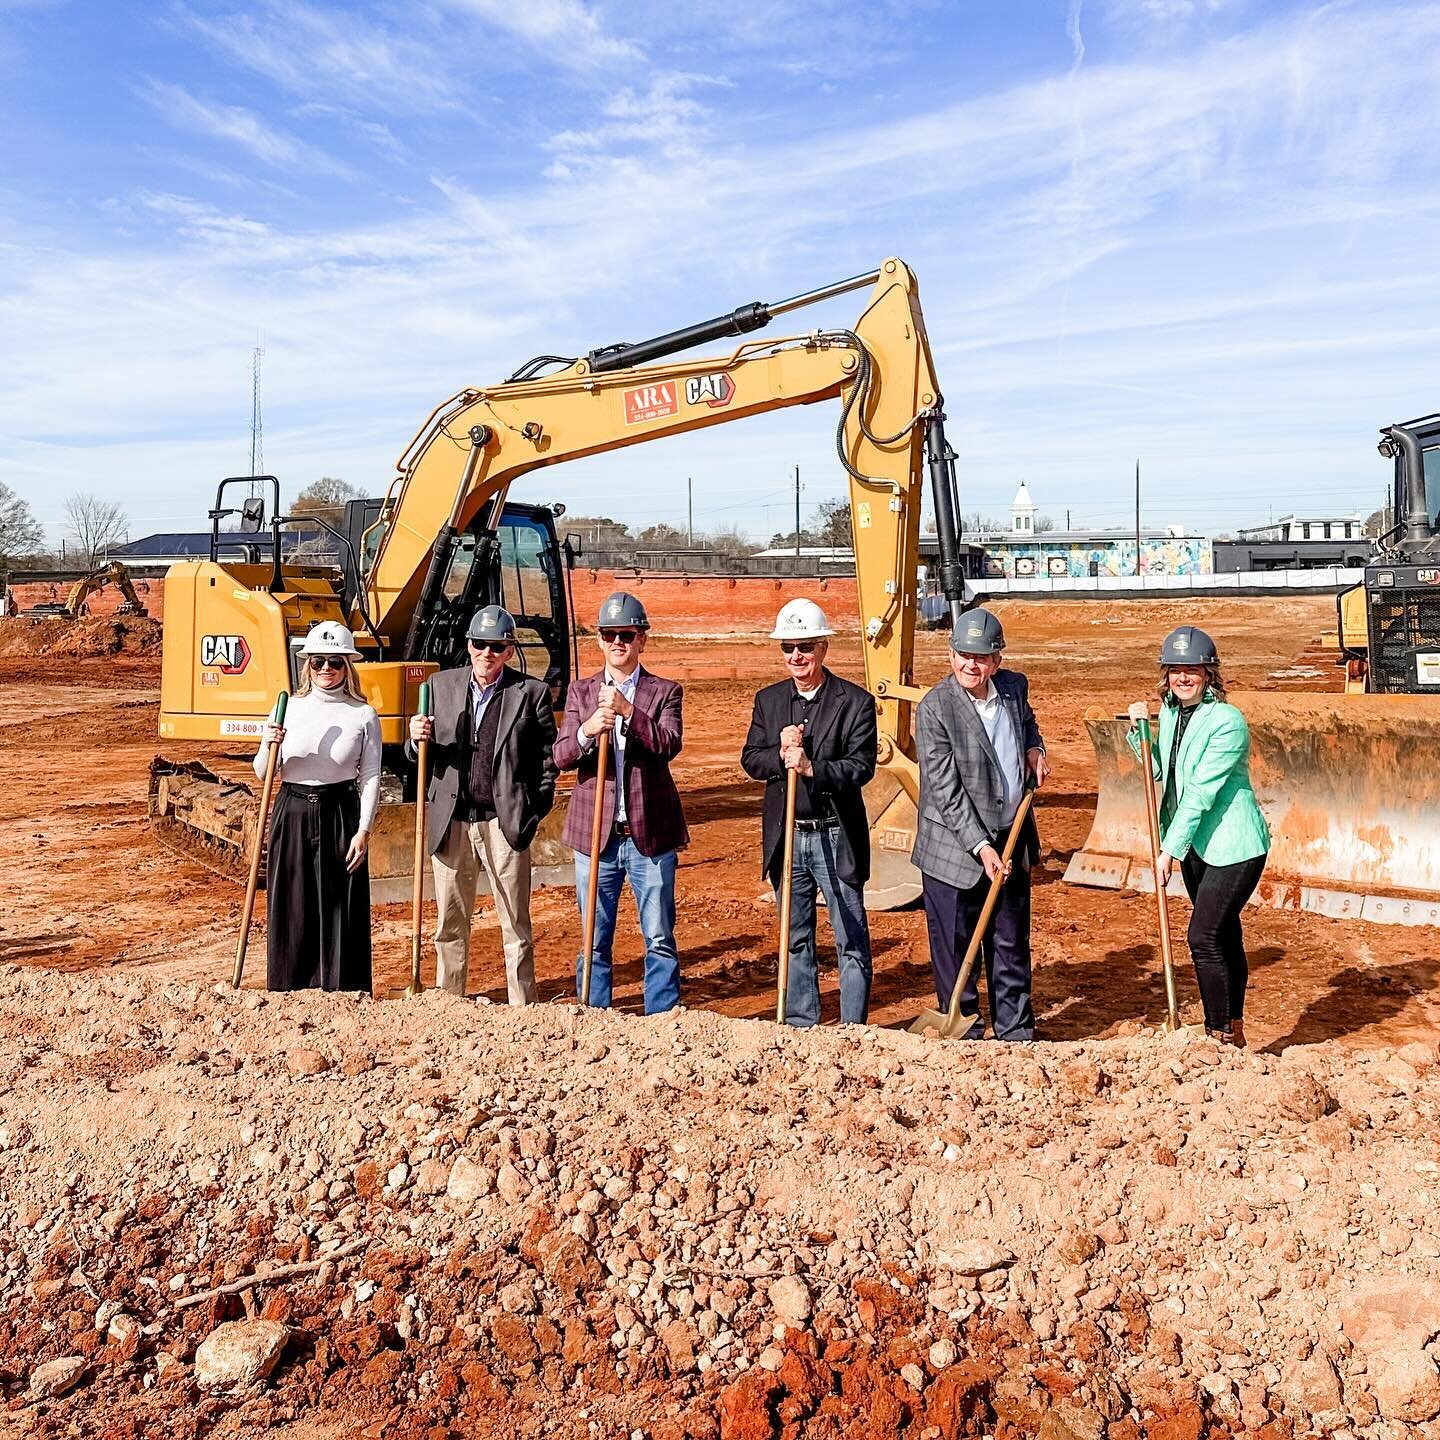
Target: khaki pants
<point>456,866</point>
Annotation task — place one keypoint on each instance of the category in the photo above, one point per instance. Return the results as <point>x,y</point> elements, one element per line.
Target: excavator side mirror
<point>252,513</point>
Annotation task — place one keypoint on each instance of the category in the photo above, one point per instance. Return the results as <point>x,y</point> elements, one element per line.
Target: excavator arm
<point>473,448</point>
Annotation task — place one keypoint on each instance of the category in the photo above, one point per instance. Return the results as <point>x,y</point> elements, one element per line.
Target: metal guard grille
<point>1400,623</point>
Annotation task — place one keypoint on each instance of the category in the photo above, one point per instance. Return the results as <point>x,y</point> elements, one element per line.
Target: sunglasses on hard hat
<point>623,637</point>
<point>789,647</point>
<point>327,662</point>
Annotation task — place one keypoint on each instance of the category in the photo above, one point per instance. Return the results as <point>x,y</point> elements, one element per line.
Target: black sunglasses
<point>625,637</point>
<point>789,647</point>
<point>492,647</point>
<point>327,662</point>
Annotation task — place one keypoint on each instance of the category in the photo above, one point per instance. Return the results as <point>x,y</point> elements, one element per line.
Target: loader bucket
<point>1348,783</point>
<point>894,881</point>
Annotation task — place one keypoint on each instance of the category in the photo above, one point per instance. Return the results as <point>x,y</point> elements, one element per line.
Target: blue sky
<point>1197,232</point>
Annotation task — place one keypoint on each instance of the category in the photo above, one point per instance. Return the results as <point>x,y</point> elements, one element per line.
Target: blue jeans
<point>652,879</point>
<point>812,866</point>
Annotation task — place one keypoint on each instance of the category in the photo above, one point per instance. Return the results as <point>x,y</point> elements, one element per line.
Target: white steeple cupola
<point>1022,514</point>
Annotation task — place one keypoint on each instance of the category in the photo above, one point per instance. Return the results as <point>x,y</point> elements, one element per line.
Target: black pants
<point>950,917</point>
<point>318,915</point>
<point>1219,893</point>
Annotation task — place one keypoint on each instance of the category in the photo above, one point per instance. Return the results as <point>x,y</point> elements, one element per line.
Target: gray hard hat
<point>977,632</point>
<point>494,623</point>
<point>1188,646</point>
<point>623,611</point>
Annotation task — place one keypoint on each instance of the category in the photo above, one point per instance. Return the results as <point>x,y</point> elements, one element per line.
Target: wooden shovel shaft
<point>977,936</point>
<point>417,895</point>
<point>1152,815</point>
<point>782,980</point>
<point>256,850</point>
<point>592,880</point>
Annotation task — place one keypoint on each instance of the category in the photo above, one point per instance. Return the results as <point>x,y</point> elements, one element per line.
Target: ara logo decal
<point>712,390</point>
<point>229,654</point>
<point>651,402</point>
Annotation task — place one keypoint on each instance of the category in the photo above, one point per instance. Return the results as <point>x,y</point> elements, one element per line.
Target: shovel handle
<point>782,974</point>
<point>592,879</point>
<point>417,895</point>
<point>977,936</point>
<point>1152,816</point>
<point>258,847</point>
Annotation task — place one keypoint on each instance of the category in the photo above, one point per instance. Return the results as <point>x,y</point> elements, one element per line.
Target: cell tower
<point>257,435</point>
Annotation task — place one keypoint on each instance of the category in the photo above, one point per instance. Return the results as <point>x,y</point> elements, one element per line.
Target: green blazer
<point>1213,809</point>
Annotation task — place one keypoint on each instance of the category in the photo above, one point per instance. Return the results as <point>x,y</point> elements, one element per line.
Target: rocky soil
<point>468,1220</point>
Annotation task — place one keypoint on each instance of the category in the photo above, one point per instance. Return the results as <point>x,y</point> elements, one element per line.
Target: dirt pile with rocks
<point>230,1214</point>
<point>82,639</point>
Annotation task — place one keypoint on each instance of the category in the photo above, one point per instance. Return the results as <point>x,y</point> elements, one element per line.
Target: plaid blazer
<point>653,738</point>
<point>962,790</point>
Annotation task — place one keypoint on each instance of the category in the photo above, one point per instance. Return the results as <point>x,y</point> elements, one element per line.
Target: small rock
<point>1406,1385</point>
<point>306,1062</point>
<point>1067,1420</point>
<point>975,1257</point>
<point>790,1298</point>
<point>468,1180</point>
<point>432,1177</point>
<point>942,1354</point>
<point>239,1353</point>
<point>913,1376</point>
<point>55,1377</point>
<point>511,1184</point>
<point>122,1328</point>
<point>398,1175</point>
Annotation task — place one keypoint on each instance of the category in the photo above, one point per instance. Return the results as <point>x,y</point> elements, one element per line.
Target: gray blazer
<point>962,791</point>
<point>524,767</point>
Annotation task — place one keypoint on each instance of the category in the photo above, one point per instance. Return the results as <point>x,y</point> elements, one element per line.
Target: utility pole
<point>797,512</point>
<point>257,440</point>
<point>1137,517</point>
<point>1067,518</point>
<point>690,511</point>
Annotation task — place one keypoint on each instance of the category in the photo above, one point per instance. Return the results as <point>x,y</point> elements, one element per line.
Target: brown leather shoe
<point>1237,1034</point>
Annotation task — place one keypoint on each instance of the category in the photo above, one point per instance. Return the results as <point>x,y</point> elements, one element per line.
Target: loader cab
<point>527,572</point>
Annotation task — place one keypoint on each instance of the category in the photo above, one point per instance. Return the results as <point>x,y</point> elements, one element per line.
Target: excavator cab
<point>525,569</point>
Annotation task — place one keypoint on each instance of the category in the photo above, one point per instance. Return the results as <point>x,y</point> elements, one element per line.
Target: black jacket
<point>524,768</point>
<point>840,741</point>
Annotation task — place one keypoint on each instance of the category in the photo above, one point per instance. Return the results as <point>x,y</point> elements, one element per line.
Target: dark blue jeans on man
<point>652,880</point>
<point>812,867</point>
<point>951,914</point>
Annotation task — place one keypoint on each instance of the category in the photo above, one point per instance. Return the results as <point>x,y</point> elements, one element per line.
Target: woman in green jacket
<point>1210,823</point>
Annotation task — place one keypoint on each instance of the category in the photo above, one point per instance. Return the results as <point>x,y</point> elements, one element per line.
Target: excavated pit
<point>549,1222</point>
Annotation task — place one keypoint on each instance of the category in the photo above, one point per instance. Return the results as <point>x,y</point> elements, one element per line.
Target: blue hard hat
<point>978,632</point>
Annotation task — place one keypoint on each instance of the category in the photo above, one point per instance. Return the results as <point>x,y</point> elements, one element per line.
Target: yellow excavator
<point>1349,782</point>
<point>73,604</point>
<point>446,538</point>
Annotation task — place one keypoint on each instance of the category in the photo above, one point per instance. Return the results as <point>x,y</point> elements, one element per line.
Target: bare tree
<point>730,540</point>
<point>324,497</point>
<point>94,525</point>
<point>20,533</point>
<point>977,524</point>
<point>1044,523</point>
<point>832,523</point>
<point>663,536</point>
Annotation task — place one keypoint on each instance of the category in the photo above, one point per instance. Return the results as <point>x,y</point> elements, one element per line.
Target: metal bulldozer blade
<point>1349,784</point>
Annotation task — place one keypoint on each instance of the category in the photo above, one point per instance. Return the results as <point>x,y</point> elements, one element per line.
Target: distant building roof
<point>195,545</point>
<point>813,552</point>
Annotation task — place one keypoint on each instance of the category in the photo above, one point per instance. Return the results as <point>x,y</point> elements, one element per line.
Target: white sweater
<point>328,738</point>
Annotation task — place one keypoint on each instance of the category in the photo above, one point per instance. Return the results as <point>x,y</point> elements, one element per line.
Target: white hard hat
<point>801,620</point>
<point>330,637</point>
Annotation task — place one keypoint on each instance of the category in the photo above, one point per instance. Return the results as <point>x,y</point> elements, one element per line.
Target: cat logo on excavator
<point>229,654</point>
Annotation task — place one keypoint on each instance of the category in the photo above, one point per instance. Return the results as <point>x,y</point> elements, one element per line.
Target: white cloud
<point>241,127</point>
<point>566,33</point>
<point>1228,277</point>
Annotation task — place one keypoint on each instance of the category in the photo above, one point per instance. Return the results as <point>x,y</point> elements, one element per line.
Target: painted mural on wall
<point>1180,555</point>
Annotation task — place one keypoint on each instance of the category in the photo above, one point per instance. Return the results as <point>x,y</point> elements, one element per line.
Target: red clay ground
<point>84,885</point>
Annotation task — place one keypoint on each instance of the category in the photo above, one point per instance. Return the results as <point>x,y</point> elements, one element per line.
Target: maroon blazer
<point>652,740</point>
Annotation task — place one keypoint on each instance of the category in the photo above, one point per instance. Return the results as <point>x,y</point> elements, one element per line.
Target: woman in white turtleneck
<point>318,882</point>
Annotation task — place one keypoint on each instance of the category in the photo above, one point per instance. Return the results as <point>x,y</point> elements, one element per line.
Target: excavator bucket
<point>1348,783</point>
<point>213,821</point>
<point>894,881</point>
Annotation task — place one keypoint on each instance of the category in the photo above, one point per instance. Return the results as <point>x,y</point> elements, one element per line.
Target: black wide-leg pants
<point>318,915</point>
